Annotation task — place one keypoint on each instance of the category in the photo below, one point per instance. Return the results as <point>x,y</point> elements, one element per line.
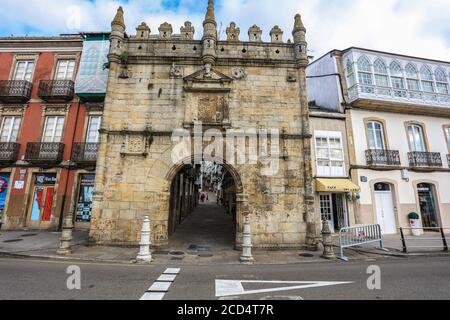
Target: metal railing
<point>9,152</point>
<point>15,90</point>
<point>425,159</point>
<point>85,152</point>
<point>358,91</point>
<point>42,152</point>
<point>383,157</point>
<point>442,238</point>
<point>56,90</point>
<point>359,235</point>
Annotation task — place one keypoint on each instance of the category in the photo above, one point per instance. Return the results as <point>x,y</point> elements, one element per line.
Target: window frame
<point>423,135</point>
<point>14,117</point>
<point>382,131</point>
<point>58,65</point>
<point>89,127</point>
<point>57,117</point>
<point>27,63</point>
<point>330,170</point>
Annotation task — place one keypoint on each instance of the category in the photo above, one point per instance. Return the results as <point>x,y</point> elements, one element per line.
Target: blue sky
<point>413,27</point>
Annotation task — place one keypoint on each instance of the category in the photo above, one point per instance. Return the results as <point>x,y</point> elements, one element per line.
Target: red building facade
<point>48,135</point>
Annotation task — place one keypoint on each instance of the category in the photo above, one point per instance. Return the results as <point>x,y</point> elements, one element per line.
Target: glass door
<point>427,203</point>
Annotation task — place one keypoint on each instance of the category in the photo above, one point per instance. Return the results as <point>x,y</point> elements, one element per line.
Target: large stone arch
<point>242,209</point>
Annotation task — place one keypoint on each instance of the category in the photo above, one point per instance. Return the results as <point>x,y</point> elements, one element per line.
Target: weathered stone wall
<point>162,86</point>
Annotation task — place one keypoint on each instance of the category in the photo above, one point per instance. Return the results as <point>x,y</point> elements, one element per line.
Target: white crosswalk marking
<point>161,286</point>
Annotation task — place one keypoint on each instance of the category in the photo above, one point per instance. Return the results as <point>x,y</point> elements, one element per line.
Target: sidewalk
<point>43,245</point>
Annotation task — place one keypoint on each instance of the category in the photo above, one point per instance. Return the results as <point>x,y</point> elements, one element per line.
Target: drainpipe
<point>66,236</point>
<point>61,215</point>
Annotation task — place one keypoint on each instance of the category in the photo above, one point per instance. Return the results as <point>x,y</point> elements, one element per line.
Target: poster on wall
<point>84,204</point>
<point>4,186</point>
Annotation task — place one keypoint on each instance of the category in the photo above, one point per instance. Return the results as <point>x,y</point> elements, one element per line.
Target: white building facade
<point>398,126</point>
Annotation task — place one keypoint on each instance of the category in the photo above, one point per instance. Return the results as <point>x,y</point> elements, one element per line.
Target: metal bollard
<point>145,255</point>
<point>247,256</point>
<point>328,246</point>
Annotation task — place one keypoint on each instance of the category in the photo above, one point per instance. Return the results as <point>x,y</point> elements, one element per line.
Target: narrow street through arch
<point>202,218</point>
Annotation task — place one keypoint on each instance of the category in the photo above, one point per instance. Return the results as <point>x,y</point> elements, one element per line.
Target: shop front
<point>43,196</point>
<point>84,200</point>
<point>4,189</point>
<point>333,196</point>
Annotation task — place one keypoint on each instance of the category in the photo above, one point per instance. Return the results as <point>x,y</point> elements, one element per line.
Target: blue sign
<point>4,186</point>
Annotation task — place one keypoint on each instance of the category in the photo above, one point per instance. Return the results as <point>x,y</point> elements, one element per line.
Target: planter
<point>415,223</point>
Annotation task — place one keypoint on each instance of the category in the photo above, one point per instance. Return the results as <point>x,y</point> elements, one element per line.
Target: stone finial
<point>276,34</point>
<point>255,34</point>
<point>143,31</point>
<point>210,17</point>
<point>298,25</point>
<point>118,19</point>
<point>233,32</point>
<point>165,30</point>
<point>187,31</point>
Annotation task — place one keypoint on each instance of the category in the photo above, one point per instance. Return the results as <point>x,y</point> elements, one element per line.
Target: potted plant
<point>414,222</point>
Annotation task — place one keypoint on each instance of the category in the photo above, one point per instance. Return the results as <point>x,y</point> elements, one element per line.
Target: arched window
<point>412,77</point>
<point>350,73</point>
<point>416,138</point>
<point>441,81</point>
<point>364,71</point>
<point>397,79</point>
<point>427,79</point>
<point>381,73</point>
<point>375,131</point>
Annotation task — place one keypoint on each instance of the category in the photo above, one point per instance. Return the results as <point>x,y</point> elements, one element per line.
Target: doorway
<point>385,208</point>
<point>333,208</point>
<point>427,203</point>
<point>42,200</point>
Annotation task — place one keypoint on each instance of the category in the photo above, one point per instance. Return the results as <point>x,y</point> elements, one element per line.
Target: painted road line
<point>167,278</point>
<point>161,286</point>
<point>228,288</point>
<point>172,271</point>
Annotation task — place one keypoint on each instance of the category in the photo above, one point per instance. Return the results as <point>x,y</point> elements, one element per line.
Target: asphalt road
<point>413,278</point>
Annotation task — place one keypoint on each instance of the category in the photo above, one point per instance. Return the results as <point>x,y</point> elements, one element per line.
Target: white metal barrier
<point>359,235</point>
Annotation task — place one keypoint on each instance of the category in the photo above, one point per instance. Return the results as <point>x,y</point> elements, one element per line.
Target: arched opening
<point>203,209</point>
<point>385,208</point>
<point>428,205</point>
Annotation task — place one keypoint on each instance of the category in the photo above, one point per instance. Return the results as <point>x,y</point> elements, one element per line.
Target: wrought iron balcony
<point>383,157</point>
<point>9,152</point>
<point>425,159</point>
<point>85,153</point>
<point>56,90</point>
<point>44,152</point>
<point>15,91</point>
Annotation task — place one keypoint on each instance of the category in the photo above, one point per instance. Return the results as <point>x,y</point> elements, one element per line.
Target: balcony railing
<point>15,91</point>
<point>9,152</point>
<point>56,90</point>
<point>448,160</point>
<point>425,159</point>
<point>44,152</point>
<point>383,157</point>
<point>85,153</point>
<point>358,91</point>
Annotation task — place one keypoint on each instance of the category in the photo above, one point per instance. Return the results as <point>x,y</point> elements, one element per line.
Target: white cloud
<point>414,27</point>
